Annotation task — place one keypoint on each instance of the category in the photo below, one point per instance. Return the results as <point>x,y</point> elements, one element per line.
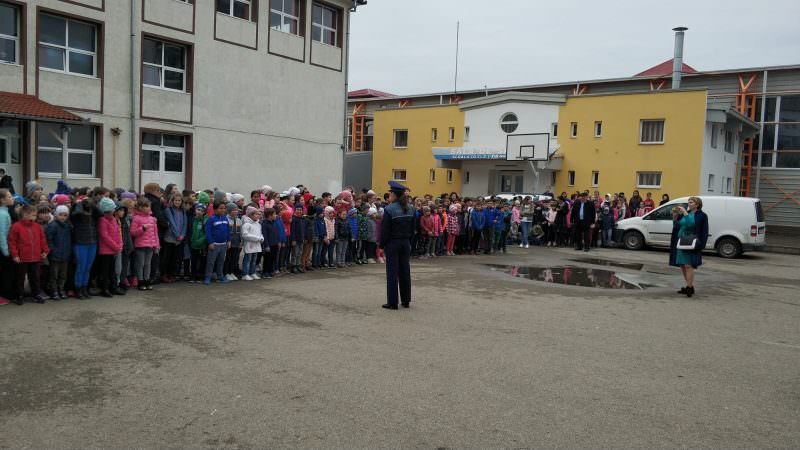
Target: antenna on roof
<point>455,81</point>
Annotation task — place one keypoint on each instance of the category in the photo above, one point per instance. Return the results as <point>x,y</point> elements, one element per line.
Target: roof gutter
<point>42,119</point>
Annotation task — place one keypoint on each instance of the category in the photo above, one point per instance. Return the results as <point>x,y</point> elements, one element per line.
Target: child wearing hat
<point>253,238</point>
<point>28,247</point>
<point>199,244</point>
<point>59,240</point>
<point>329,239</point>
<point>109,245</point>
<point>231,269</point>
<point>144,230</point>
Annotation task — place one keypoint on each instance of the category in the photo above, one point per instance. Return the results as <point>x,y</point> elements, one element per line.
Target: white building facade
<point>231,94</point>
<point>490,123</point>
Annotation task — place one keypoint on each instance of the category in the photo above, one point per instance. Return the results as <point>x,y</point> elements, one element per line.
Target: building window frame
<point>324,31</point>
<point>399,174</point>
<point>466,177</point>
<point>162,149</point>
<point>13,38</point>
<point>595,178</point>
<point>450,176</point>
<point>711,181</point>
<point>466,134</point>
<point>285,17</point>
<point>554,129</point>
<point>509,122</point>
<point>434,134</point>
<point>650,130</point>
<point>714,135</point>
<point>231,9</point>
<point>163,67</point>
<point>66,150</point>
<point>396,136</point>
<point>65,49</point>
<point>730,138</point>
<point>432,175</point>
<point>598,129</point>
<point>451,134</point>
<point>570,178</point>
<point>644,174</point>
<point>573,130</point>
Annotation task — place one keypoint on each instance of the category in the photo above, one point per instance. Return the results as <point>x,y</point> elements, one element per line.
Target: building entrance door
<point>163,159</point>
<point>11,152</point>
<point>510,182</point>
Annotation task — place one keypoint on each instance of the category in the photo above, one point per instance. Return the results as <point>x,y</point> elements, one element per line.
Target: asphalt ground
<point>481,360</point>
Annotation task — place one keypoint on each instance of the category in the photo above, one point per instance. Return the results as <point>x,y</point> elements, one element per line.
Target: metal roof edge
<point>513,96</point>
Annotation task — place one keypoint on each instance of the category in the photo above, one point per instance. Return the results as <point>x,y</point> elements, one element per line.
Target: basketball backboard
<point>528,147</point>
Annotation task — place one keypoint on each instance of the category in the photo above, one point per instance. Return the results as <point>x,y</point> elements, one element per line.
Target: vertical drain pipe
<point>133,95</point>
<point>677,60</point>
<point>346,88</point>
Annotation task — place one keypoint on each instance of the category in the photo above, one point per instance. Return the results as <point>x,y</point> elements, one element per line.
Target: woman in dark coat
<point>689,260</point>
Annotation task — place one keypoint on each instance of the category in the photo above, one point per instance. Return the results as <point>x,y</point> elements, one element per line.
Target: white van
<point>735,225</point>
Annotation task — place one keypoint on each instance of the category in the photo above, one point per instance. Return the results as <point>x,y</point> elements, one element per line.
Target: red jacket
<point>109,240</point>
<point>27,242</point>
<point>426,223</point>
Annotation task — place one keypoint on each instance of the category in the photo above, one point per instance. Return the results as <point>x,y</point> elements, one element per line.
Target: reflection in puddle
<point>605,262</point>
<point>578,276</point>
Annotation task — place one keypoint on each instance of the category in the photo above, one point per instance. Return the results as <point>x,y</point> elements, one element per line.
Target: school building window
<point>730,138</point>
<point>781,140</point>
<point>235,8</point>
<point>434,134</point>
<point>648,179</point>
<point>509,122</point>
<point>163,152</point>
<point>728,185</point>
<point>449,176</point>
<point>66,45</point>
<point>433,175</point>
<point>651,132</point>
<point>325,24</point>
<point>554,129</point>
<point>9,33</point>
<point>598,129</point>
<point>451,134</point>
<point>284,15</point>
<point>571,178</point>
<point>595,178</point>
<point>65,150</point>
<point>164,65</point>
<point>466,134</point>
<point>714,135</point>
<point>399,174</point>
<point>711,182</point>
<point>400,138</point>
<point>466,177</point>
<point>573,129</point>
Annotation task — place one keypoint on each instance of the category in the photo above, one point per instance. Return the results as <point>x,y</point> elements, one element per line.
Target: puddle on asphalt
<point>605,262</point>
<point>579,276</point>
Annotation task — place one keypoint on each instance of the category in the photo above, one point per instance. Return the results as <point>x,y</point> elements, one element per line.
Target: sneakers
<point>527,245</point>
<point>4,301</point>
<point>371,261</point>
<point>207,281</point>
<point>255,276</point>
<point>247,278</point>
<point>223,280</point>
<point>521,245</point>
<point>134,282</point>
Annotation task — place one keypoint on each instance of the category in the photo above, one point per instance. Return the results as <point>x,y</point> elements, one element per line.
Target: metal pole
<point>346,89</point>
<point>677,60</point>
<point>455,81</point>
<point>133,151</point>
<point>761,132</point>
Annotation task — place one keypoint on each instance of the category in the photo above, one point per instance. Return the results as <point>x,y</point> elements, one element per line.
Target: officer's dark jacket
<point>396,223</point>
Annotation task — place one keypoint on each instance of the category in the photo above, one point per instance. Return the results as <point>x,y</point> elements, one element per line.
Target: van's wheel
<point>633,240</point>
<point>729,247</point>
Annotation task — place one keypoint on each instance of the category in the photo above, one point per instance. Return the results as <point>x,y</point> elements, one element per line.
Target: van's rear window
<point>759,212</point>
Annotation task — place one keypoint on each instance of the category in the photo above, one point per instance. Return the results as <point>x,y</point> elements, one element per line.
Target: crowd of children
<point>87,242</point>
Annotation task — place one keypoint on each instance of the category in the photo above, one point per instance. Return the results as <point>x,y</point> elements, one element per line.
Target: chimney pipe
<point>677,60</point>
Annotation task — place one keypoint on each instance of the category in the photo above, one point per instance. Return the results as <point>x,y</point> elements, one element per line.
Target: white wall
<point>719,163</point>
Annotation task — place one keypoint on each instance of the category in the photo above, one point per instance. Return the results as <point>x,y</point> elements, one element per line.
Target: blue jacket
<point>217,230</point>
<point>298,230</point>
<point>501,220</point>
<point>319,228</point>
<point>353,221</point>
<point>270,233</point>
<point>59,240</point>
<point>278,225</point>
<point>5,227</point>
<point>491,215</point>
<point>478,220</point>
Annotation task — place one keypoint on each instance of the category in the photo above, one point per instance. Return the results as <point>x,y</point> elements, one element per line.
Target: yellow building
<point>403,143</point>
<point>651,141</point>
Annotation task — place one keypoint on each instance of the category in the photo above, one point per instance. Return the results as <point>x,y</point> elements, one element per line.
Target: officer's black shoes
<point>388,306</point>
<point>406,305</point>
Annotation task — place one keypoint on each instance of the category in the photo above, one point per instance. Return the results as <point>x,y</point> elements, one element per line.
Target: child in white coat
<point>251,240</point>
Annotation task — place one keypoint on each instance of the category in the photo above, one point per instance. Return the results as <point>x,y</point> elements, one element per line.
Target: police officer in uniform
<point>397,228</point>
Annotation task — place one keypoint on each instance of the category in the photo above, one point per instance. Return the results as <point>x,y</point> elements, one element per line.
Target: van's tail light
<point>753,230</point>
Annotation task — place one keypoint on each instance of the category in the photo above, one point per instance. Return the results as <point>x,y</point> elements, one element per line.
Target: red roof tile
<point>664,69</point>
<point>29,107</point>
<point>368,93</point>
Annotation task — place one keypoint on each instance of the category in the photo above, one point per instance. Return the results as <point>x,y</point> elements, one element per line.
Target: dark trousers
<point>8,273</point>
<point>105,272</point>
<point>583,234</point>
<point>32,270</point>
<point>269,259</point>
<point>475,240</point>
<point>170,254</point>
<point>232,261</point>
<point>198,263</point>
<point>58,275</point>
<point>369,249</point>
<point>398,271</point>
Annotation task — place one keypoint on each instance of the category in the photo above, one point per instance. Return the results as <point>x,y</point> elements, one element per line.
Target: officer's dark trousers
<point>398,271</point>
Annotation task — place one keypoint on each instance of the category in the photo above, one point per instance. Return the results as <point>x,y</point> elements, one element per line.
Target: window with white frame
<point>67,45</point>
<point>571,178</point>
<point>730,138</point>
<point>451,134</point>
<point>728,185</point>
<point>714,135</point>
<point>595,178</point>
<point>651,132</point>
<point>164,65</point>
<point>400,138</point>
<point>466,134</point>
<point>163,152</point>
<point>598,129</point>
<point>509,123</point>
<point>325,24</point>
<point>66,150</point>
<point>449,176</point>
<point>399,174</point>
<point>554,129</point>
<point>710,182</point>
<point>9,33</point>
<point>235,8</point>
<point>573,129</point>
<point>432,175</point>
<point>434,134</point>
<point>284,15</point>
<point>648,179</point>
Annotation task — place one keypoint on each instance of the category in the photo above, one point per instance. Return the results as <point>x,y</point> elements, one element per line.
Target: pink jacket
<point>515,215</point>
<point>144,238</point>
<point>109,236</point>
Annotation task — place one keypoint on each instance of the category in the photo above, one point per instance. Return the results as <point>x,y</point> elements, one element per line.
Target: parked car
<point>507,197</point>
<point>735,225</point>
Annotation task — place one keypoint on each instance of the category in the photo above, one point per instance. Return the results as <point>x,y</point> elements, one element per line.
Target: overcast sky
<point>408,46</point>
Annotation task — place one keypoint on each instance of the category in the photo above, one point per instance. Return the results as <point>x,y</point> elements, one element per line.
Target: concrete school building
<point>714,125</point>
<point>215,93</point>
